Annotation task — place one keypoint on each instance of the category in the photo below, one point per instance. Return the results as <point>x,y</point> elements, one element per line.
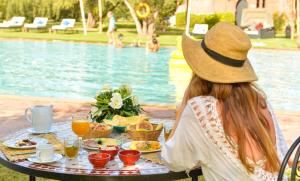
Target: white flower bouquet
<point>111,102</point>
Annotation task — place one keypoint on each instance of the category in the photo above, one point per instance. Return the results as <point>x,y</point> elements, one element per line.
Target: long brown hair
<point>242,105</point>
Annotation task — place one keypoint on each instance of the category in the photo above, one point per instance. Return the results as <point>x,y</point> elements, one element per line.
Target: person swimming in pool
<point>153,45</point>
<point>119,42</point>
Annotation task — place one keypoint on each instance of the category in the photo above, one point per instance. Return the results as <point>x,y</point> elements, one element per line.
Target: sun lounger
<point>251,18</point>
<point>200,29</point>
<point>66,24</point>
<point>38,23</point>
<point>14,22</point>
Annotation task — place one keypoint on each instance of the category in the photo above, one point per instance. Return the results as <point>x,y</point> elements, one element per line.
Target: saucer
<point>32,131</point>
<point>34,159</point>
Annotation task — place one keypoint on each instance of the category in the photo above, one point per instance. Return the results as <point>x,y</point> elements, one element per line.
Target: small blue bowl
<point>120,129</point>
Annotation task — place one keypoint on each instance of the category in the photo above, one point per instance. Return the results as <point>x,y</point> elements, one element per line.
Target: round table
<point>81,169</point>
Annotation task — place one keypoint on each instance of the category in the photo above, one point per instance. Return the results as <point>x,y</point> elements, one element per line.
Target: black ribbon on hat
<point>220,58</point>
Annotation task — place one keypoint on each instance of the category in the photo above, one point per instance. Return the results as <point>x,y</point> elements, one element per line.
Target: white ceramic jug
<point>41,118</point>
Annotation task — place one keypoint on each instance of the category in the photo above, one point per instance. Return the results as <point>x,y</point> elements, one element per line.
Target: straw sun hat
<point>221,57</point>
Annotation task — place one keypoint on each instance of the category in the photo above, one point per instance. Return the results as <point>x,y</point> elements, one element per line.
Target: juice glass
<point>81,127</point>
<point>167,133</point>
<point>168,127</point>
<point>71,147</point>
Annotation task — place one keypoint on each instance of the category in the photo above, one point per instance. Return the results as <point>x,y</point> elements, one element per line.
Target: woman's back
<point>202,137</point>
<point>253,151</point>
<point>224,123</point>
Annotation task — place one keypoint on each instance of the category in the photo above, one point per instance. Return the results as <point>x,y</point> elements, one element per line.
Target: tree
<point>53,9</point>
<point>96,10</point>
<point>161,10</point>
<point>91,6</point>
<point>100,16</point>
<point>134,17</point>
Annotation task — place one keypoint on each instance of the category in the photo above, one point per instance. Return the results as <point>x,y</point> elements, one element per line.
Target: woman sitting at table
<point>225,124</point>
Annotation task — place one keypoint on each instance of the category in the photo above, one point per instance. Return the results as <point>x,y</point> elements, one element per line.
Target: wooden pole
<point>188,17</point>
<point>298,18</point>
<point>83,17</point>
<point>292,17</point>
<point>100,16</point>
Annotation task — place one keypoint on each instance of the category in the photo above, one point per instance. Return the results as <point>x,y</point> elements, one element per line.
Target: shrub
<point>227,17</point>
<point>211,19</point>
<point>279,21</point>
<point>181,19</point>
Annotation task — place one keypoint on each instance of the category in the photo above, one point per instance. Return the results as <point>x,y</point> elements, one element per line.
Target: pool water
<point>78,70</point>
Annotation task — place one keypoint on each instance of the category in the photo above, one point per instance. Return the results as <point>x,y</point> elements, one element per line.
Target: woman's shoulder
<point>204,100</point>
<point>203,105</point>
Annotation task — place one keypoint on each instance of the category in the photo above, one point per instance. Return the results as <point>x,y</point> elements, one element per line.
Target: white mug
<point>44,152</point>
<point>41,118</point>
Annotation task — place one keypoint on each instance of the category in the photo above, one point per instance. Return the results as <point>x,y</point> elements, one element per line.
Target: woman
<point>153,45</point>
<point>225,124</point>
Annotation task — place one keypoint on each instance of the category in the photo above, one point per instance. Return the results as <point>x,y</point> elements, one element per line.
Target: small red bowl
<point>111,150</point>
<point>99,160</point>
<point>129,157</point>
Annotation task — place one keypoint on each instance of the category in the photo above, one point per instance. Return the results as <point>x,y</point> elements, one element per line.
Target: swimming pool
<point>78,70</point>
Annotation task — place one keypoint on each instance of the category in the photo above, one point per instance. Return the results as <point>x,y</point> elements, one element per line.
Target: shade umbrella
<point>83,16</point>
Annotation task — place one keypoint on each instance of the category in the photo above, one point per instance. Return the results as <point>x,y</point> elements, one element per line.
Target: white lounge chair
<point>38,23</point>
<point>66,24</point>
<point>252,17</point>
<point>200,29</point>
<point>14,22</point>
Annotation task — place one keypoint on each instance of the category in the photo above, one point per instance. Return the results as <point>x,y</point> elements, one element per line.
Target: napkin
<point>153,157</point>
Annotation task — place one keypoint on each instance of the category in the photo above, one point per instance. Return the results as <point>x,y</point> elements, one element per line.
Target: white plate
<point>32,131</point>
<point>56,158</point>
<point>126,146</point>
<point>95,148</point>
<point>89,148</point>
<point>12,143</point>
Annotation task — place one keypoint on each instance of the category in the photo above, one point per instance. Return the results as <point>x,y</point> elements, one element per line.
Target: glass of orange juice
<point>71,147</point>
<point>168,127</point>
<point>81,127</point>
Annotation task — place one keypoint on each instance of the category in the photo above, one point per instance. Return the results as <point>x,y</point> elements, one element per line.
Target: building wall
<point>215,6</point>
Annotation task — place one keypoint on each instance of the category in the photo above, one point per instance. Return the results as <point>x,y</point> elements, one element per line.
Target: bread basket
<point>138,135</point>
<point>96,133</point>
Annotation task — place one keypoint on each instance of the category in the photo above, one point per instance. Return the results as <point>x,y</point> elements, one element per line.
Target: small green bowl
<point>120,129</point>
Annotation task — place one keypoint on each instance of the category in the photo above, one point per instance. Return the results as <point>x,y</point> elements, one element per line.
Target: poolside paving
<point>12,113</point>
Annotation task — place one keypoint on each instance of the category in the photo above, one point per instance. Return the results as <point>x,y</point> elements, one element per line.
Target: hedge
<point>279,21</point>
<point>211,19</point>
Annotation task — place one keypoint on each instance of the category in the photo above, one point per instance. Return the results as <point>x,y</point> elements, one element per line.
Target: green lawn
<point>281,43</point>
<point>92,37</point>
<point>167,38</point>
<point>10,175</point>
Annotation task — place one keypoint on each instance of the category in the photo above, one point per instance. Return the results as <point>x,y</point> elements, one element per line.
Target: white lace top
<point>200,140</point>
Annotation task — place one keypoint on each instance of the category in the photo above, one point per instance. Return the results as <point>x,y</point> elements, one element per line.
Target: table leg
<point>31,178</point>
<point>195,178</point>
